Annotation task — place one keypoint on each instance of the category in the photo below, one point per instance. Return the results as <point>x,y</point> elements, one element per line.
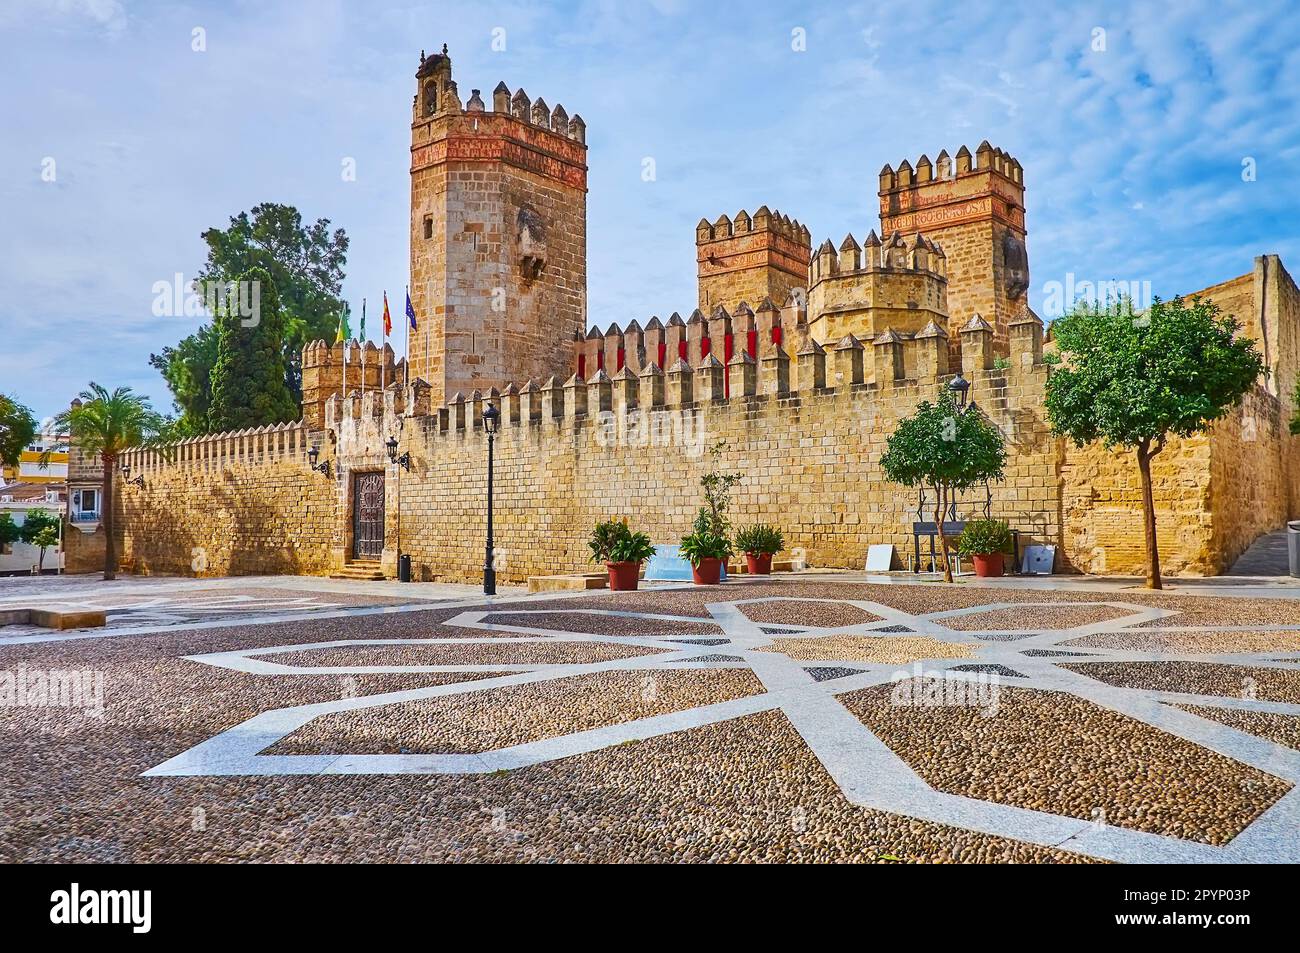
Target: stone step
<point>55,618</point>
<point>362,569</point>
<point>567,581</point>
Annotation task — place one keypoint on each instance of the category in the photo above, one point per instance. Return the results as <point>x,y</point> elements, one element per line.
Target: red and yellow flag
<point>388,320</point>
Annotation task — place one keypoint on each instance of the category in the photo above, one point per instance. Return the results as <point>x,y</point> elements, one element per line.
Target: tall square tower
<point>975,210</point>
<point>498,235</point>
<point>750,258</point>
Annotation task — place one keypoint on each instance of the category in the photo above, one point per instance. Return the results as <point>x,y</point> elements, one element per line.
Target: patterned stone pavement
<point>901,723</point>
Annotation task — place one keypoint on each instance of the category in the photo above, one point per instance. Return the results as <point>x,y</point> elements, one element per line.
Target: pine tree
<point>248,380</point>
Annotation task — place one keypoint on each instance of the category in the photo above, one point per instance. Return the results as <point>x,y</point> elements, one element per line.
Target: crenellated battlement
<point>254,446</point>
<point>749,258</point>
<point>895,254</point>
<point>899,283</point>
<point>498,217</point>
<point>438,96</point>
<point>986,158</point>
<point>329,369</point>
<point>893,359</point>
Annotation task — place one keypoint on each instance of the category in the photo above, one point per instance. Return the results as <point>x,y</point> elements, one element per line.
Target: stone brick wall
<point>231,504</point>
<point>324,370</point>
<point>1215,493</point>
<point>806,432</point>
<point>810,458</point>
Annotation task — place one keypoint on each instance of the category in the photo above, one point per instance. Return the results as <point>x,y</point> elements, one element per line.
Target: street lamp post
<point>491,417</point>
<point>959,387</point>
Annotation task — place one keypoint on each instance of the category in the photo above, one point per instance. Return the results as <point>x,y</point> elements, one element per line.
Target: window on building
<point>428,226</point>
<point>85,503</point>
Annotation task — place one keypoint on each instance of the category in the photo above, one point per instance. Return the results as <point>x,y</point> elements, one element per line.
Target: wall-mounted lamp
<point>403,461</point>
<point>126,476</point>
<point>313,455</point>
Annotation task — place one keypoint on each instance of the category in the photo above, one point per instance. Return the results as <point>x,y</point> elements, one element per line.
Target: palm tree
<point>107,423</point>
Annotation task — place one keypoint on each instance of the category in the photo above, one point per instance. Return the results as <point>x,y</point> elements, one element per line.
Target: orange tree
<point>948,449</point>
<point>1133,380</point>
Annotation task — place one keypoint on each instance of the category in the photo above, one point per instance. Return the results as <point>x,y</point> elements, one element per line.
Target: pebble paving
<point>607,727</point>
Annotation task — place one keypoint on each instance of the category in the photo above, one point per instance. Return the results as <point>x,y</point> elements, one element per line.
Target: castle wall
<point>810,459</point>
<point>1255,462</point>
<point>806,431</point>
<point>323,371</point>
<point>1216,493</point>
<point>230,504</point>
<point>970,205</point>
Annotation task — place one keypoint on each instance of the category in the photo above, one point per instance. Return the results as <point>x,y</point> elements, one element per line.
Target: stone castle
<point>801,360</point>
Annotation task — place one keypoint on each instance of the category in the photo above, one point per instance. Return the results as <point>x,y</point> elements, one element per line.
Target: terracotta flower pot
<point>708,572</point>
<point>623,576</point>
<point>758,564</point>
<point>988,564</point>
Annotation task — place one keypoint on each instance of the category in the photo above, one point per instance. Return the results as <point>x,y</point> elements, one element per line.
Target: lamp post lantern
<point>959,386</point>
<point>491,418</point>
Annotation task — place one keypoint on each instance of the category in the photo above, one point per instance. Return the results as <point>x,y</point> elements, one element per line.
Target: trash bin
<point>1293,547</point>
<point>404,568</point>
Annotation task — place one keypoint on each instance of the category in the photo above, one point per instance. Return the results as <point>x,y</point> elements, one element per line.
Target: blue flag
<point>410,312</point>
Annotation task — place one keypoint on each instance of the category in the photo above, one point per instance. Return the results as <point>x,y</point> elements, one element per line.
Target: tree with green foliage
<point>187,368</point>
<point>106,423</point>
<point>306,262</point>
<point>17,430</point>
<point>1133,380</point>
<point>947,449</point>
<point>40,529</point>
<point>248,387</point>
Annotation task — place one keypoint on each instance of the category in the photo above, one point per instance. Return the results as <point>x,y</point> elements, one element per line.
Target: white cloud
<point>1132,156</point>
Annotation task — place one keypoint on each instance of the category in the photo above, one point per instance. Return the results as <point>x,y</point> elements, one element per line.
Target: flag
<point>345,332</point>
<point>388,320</point>
<point>410,312</point>
<point>363,319</point>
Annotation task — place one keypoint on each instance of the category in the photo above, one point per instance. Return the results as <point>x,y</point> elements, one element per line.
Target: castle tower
<point>325,373</point>
<point>749,259</point>
<point>974,207</point>
<point>498,235</point>
<point>898,284</point>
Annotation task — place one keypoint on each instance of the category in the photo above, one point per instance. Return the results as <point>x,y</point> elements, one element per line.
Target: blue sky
<point>1133,154</point>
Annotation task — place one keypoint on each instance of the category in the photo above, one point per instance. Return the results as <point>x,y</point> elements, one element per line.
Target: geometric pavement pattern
<point>807,691</point>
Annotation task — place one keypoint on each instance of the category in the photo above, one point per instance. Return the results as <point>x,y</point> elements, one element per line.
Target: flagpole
<point>363,347</point>
<point>406,320</point>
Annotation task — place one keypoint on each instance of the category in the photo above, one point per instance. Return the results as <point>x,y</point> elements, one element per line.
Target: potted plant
<point>706,551</point>
<point>985,542</point>
<point>759,543</point>
<point>622,551</point>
